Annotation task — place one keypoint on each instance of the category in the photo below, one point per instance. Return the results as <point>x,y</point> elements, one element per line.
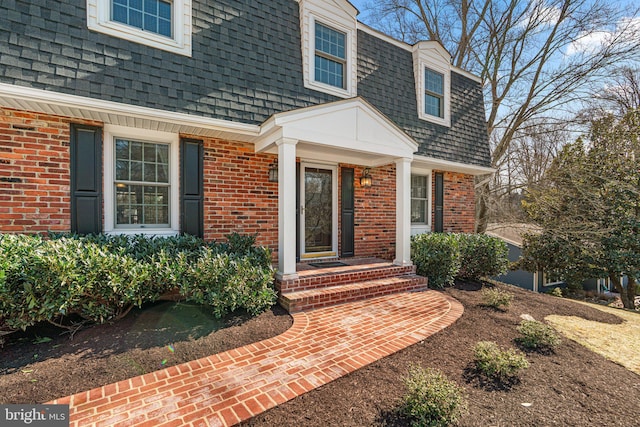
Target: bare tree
<point>618,96</point>
<point>535,57</point>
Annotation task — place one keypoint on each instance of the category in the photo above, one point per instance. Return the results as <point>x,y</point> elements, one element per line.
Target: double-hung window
<point>419,199</point>
<point>163,24</point>
<point>142,186</point>
<point>141,181</point>
<point>330,56</point>
<point>433,93</point>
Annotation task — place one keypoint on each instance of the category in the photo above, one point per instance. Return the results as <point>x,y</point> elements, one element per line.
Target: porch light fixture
<point>273,172</point>
<point>365,179</point>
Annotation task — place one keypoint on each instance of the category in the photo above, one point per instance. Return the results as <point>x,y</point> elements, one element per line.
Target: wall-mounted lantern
<point>365,179</point>
<point>273,171</point>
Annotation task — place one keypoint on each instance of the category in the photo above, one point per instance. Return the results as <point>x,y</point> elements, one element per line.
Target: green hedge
<point>442,257</point>
<point>100,277</point>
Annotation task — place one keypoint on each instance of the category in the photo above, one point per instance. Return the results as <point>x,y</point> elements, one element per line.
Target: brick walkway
<point>229,387</point>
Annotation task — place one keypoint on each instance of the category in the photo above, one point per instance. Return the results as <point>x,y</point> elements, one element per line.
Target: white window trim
<point>99,19</point>
<point>424,58</point>
<point>111,132</point>
<point>311,13</point>
<point>418,228</point>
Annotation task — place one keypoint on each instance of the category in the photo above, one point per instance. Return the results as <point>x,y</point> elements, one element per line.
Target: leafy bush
<point>101,277</point>
<point>437,257</point>
<point>537,335</point>
<point>482,256</point>
<point>444,256</point>
<point>498,364</point>
<point>227,282</point>
<point>431,399</point>
<point>496,298</point>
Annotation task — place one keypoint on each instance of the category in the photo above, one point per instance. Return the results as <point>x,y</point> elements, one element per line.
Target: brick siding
<point>375,213</point>
<point>459,203</point>
<point>237,193</point>
<point>34,171</point>
<point>34,188</point>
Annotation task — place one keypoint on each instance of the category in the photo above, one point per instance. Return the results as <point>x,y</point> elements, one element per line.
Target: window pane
<point>148,15</point>
<point>419,211</point>
<point>419,186</point>
<point>433,82</point>
<point>143,202</point>
<point>330,41</point>
<point>433,105</point>
<point>329,72</point>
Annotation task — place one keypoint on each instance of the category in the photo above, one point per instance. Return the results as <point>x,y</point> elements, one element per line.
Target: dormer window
<point>330,56</point>
<point>433,93</point>
<point>162,24</point>
<point>432,71</point>
<point>329,46</point>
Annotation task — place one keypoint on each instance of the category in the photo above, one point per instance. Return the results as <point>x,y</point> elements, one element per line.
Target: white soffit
<point>114,113</point>
<point>425,162</point>
<point>351,124</point>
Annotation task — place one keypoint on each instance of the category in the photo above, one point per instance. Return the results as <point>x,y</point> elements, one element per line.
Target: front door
<point>318,216</point>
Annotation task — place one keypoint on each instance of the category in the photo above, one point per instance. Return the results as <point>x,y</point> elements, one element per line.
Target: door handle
<point>301,209</point>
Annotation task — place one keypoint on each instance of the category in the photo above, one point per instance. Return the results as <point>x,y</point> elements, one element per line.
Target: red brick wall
<point>34,151</point>
<point>375,213</point>
<point>459,203</point>
<point>237,193</point>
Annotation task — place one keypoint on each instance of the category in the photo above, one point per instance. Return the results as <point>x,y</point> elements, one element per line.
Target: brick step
<point>309,299</point>
<point>322,278</point>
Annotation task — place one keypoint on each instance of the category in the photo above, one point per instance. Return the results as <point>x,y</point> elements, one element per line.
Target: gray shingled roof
<point>246,65</point>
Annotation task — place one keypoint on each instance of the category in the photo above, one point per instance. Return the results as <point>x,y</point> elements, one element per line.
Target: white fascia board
<point>98,109</point>
<point>409,48</point>
<point>449,166</point>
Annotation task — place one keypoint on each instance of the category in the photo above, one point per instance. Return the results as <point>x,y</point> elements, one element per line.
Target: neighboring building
<point>287,118</point>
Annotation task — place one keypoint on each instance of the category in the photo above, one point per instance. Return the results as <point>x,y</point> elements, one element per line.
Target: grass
<point>605,339</point>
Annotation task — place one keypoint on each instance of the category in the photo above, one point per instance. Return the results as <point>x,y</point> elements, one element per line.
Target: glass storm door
<point>317,211</point>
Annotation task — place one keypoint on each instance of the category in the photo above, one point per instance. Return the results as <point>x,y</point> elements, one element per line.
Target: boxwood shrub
<point>442,257</point>
<point>437,257</point>
<point>100,277</point>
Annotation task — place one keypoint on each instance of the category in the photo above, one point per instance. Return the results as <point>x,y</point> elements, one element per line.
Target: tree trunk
<point>482,207</point>
<point>628,294</point>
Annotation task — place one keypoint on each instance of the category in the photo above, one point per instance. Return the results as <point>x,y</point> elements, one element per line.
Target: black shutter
<point>191,187</point>
<point>439,203</point>
<point>86,179</point>
<point>348,213</point>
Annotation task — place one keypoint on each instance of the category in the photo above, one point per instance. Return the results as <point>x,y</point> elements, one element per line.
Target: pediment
<point>352,125</point>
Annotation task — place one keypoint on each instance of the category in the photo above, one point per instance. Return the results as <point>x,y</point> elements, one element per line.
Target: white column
<point>403,212</point>
<point>287,208</point>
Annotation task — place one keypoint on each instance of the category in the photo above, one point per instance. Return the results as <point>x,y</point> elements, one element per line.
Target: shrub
<point>431,399</point>
<point>482,256</point>
<point>496,298</point>
<point>437,257</point>
<point>101,277</point>
<point>498,364</point>
<point>556,292</point>
<point>227,283</point>
<point>537,335</point>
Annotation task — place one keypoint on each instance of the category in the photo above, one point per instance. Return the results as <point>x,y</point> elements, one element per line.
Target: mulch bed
<point>33,372</point>
<point>570,387</point>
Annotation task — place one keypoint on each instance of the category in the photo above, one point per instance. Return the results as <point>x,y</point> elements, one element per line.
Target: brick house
<point>288,118</point>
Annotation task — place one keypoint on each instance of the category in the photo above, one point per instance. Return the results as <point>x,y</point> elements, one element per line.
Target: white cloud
<point>626,28</point>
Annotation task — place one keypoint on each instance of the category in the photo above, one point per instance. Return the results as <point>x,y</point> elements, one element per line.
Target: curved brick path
<point>230,387</point>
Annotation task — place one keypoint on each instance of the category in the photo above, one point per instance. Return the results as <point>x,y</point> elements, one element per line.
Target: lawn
<point>572,386</point>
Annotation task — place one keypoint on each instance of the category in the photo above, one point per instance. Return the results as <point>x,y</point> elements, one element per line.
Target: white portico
<point>349,131</point>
